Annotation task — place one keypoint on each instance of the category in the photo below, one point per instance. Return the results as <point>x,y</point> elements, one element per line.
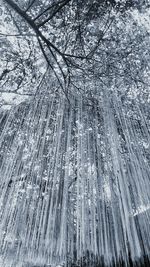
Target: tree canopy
<point>90,39</point>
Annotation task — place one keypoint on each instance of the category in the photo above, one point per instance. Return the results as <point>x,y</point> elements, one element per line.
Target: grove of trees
<point>74,133</point>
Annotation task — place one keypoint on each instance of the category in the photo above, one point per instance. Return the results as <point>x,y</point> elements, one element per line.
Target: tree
<point>75,157</point>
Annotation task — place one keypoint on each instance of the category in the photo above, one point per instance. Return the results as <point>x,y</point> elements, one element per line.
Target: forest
<point>74,133</point>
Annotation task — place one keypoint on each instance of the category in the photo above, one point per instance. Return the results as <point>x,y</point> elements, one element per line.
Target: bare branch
<point>17,35</point>
<point>32,24</point>
<point>15,92</point>
<point>47,9</point>
<point>64,3</point>
<point>30,5</point>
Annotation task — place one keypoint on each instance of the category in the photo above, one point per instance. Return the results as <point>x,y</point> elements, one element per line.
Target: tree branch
<point>54,13</point>
<point>32,24</point>
<point>47,9</point>
<point>30,5</point>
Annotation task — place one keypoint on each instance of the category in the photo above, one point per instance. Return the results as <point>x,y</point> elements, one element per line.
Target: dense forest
<point>74,133</point>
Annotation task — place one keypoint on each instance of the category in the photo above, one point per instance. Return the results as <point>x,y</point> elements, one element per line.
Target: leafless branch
<point>47,9</point>
<point>59,7</point>
<point>30,5</point>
